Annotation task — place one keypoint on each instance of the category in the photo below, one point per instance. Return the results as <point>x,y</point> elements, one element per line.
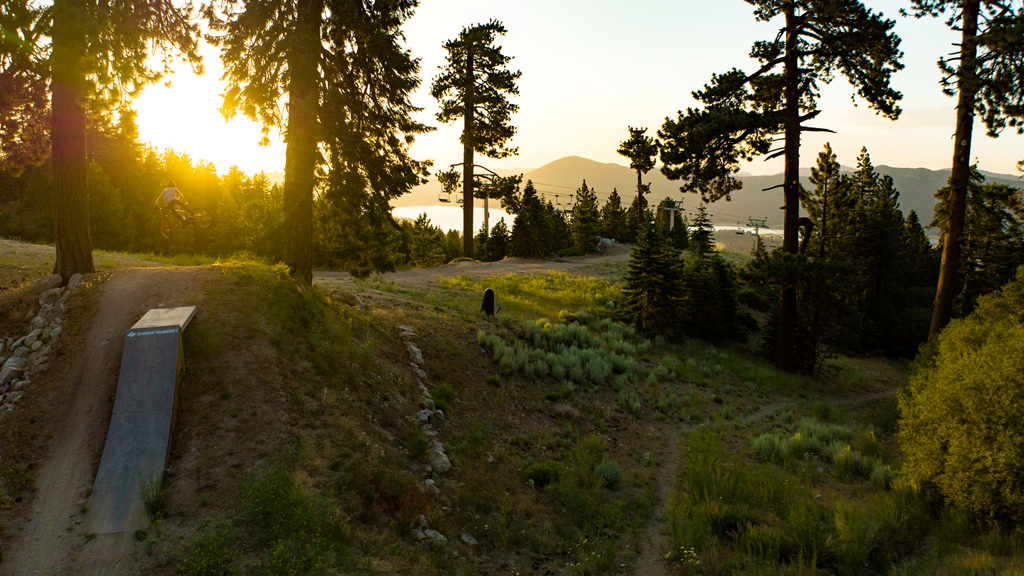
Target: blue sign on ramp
<point>139,439</point>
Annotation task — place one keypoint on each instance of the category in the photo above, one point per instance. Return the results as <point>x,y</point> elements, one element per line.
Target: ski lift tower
<point>757,225</point>
<point>489,175</point>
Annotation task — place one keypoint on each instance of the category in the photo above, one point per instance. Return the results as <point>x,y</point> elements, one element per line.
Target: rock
<point>2,360</point>
<point>418,534</point>
<point>75,281</point>
<point>423,415</point>
<point>347,298</point>
<point>38,322</point>
<point>36,345</point>
<point>435,537</point>
<point>50,313</point>
<point>416,356</point>
<point>439,414</point>
<point>468,539</point>
<point>42,366</point>
<point>47,332</point>
<point>21,385</point>
<point>22,352</point>
<point>421,521</point>
<point>434,444</point>
<point>6,407</point>
<point>55,332</point>
<point>18,343</point>
<point>440,462</point>
<point>419,372</point>
<point>427,404</point>
<point>13,397</point>
<point>44,283</point>
<point>431,489</point>
<point>50,297</point>
<point>32,357</point>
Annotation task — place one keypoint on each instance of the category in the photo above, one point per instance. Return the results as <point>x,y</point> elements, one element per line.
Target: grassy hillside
<point>577,446</point>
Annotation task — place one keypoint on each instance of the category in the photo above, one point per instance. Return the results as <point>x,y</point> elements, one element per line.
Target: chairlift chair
<point>458,198</point>
<point>739,230</point>
<point>443,197</point>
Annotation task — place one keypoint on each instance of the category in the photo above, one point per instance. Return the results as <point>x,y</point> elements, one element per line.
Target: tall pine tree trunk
<point>301,140</point>
<point>785,353</point>
<point>639,203</point>
<point>74,246</point>
<point>467,162</point>
<point>967,90</point>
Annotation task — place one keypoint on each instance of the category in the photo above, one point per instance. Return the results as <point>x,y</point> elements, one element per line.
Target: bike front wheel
<point>201,217</point>
<point>165,228</point>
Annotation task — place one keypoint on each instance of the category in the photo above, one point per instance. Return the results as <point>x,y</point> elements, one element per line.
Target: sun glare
<point>186,117</point>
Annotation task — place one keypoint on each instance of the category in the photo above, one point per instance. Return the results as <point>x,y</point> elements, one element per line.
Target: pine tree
<point>702,235</point>
<point>828,204</point>
<point>348,82</point>
<point>586,220</point>
<point>498,242</point>
<point>742,112</point>
<point>922,266</point>
<point>642,152</point>
<point>425,250</point>
<point>993,238</point>
<point>557,234</point>
<point>613,217</point>
<point>651,284</point>
<point>480,244</point>
<point>989,82</point>
<point>475,86</point>
<point>24,104</point>
<point>529,228</point>
<point>100,58</point>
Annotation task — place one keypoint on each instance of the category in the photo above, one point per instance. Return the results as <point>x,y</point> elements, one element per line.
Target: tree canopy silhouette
<point>987,76</point>
<point>741,114</point>
<point>475,86</point>
<point>101,54</point>
<point>348,79</point>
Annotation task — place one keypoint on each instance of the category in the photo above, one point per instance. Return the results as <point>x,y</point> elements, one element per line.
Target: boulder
<point>427,404</point>
<point>22,352</point>
<point>55,332</point>
<point>44,283</point>
<point>50,297</point>
<point>36,345</point>
<point>468,540</point>
<point>75,281</point>
<point>423,415</point>
<point>51,313</point>
<point>435,537</point>
<point>13,368</point>
<point>38,322</point>
<point>439,462</point>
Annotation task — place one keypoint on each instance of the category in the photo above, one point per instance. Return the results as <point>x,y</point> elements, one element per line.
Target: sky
<point>590,68</point>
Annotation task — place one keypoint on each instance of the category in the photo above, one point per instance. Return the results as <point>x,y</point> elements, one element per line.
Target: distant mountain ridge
<point>917,187</point>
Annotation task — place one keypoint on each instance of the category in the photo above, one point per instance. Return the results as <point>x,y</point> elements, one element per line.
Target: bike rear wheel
<point>201,217</point>
<point>165,228</point>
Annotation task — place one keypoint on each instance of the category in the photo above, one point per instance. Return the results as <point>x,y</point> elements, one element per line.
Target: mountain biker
<point>170,198</point>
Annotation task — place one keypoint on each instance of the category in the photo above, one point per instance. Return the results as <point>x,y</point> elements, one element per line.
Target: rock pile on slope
<point>27,355</point>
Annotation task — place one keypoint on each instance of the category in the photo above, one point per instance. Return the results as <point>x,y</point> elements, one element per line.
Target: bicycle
<point>199,217</point>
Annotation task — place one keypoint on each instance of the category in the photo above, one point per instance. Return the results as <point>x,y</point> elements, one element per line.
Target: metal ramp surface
<point>139,439</point>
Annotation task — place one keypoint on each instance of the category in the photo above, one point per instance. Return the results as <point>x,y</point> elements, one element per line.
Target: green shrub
<point>881,477</point>
<point>824,433</point>
<point>768,448</point>
<point>609,473</point>
<point>419,444</point>
<point>442,395</point>
<point>544,473</point>
<point>961,428</point>
<point>802,445</point>
<point>210,554</point>
<point>807,527</point>
<point>850,464</point>
<point>767,543</point>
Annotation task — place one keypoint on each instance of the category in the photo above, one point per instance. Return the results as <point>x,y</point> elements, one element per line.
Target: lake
<point>450,218</point>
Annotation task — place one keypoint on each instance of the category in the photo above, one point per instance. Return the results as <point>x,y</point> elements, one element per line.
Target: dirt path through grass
<point>53,541</point>
<point>655,544</point>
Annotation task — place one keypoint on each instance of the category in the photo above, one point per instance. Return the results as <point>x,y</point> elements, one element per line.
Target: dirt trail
<point>52,542</point>
<point>655,545</point>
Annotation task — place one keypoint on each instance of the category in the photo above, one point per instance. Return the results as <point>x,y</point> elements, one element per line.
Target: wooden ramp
<point>139,439</point>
